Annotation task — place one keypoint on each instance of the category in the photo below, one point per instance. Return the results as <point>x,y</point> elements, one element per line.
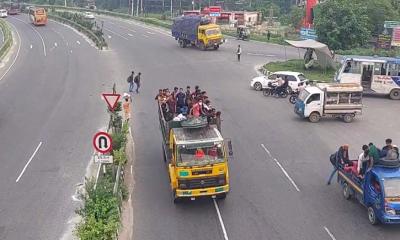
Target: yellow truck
<point>196,155</point>
<point>196,31</point>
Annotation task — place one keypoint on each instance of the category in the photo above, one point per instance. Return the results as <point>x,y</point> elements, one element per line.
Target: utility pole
<point>65,3</point>
<point>131,1</point>
<point>141,7</point>
<point>137,8</point>
<point>171,10</point>
<point>163,7</point>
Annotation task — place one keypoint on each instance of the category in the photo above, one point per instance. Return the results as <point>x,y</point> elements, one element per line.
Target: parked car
<point>3,13</point>
<point>88,15</point>
<point>258,83</point>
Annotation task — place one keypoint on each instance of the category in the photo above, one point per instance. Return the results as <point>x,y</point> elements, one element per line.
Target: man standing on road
<point>238,52</point>
<point>268,35</point>
<point>137,82</point>
<point>130,81</point>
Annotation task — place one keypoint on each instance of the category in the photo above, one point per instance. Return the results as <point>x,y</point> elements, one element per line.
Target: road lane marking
<point>144,35</point>
<point>119,35</point>
<point>16,55</point>
<point>31,46</point>
<point>280,166</point>
<point>109,36</point>
<point>30,159</point>
<point>221,222</point>
<point>329,233</point>
<point>37,32</point>
<point>151,33</point>
<point>55,44</point>
<point>78,42</point>
<point>261,54</point>
<point>130,35</point>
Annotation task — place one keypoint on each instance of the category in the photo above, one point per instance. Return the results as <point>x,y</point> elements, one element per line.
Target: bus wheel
<point>372,216</point>
<point>395,94</point>
<point>346,191</point>
<point>314,117</point>
<point>348,118</point>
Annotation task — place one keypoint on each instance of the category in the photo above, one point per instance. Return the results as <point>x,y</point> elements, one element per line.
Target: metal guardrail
<point>8,39</point>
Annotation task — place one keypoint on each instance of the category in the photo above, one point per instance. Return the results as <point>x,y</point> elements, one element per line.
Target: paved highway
<point>50,107</point>
<point>268,139</point>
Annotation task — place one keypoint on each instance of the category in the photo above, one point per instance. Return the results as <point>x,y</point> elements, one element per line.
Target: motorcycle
<point>272,90</point>
<point>294,95</point>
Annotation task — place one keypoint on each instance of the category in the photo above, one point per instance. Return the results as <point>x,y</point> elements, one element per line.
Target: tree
<point>378,12</point>
<point>342,24</point>
<point>296,15</point>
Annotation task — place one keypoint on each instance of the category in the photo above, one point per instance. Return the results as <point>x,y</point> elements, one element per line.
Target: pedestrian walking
<point>137,81</point>
<point>238,52</point>
<point>127,108</point>
<point>268,35</point>
<point>130,81</point>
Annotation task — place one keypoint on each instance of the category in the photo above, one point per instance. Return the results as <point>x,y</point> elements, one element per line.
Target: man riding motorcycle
<point>283,86</point>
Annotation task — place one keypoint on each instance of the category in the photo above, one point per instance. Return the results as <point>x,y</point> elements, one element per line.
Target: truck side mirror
<point>228,144</point>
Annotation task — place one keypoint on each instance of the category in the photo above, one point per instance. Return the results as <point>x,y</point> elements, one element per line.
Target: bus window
<point>380,69</point>
<point>393,69</point>
<point>352,67</point>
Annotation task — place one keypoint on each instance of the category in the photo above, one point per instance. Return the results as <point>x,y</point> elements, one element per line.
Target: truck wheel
<point>348,118</point>
<point>314,117</point>
<point>395,94</point>
<point>184,44</point>
<point>216,47</point>
<point>346,191</point>
<point>372,216</point>
<point>163,153</point>
<point>175,198</point>
<point>180,43</point>
<point>221,196</point>
<point>202,46</point>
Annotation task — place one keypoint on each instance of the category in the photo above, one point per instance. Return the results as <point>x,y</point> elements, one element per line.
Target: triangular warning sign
<point>111,99</point>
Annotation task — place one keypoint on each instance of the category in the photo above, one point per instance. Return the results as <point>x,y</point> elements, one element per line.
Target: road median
<point>8,39</point>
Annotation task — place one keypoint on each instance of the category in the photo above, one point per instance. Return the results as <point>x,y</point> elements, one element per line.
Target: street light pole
<point>137,8</point>
<point>171,9</point>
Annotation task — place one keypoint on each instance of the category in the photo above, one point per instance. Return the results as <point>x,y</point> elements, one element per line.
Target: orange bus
<point>38,16</point>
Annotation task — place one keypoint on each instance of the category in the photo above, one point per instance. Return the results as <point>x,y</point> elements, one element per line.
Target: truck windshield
<point>392,187</point>
<point>195,154</point>
<point>213,31</point>
<point>303,95</point>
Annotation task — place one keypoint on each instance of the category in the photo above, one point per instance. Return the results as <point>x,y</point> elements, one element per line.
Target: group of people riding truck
<point>370,156</point>
<point>179,105</point>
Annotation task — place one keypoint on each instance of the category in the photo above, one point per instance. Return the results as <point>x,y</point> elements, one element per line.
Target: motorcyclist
<point>283,86</point>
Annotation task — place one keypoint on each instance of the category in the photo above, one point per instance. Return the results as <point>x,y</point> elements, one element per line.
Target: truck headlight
<point>390,211</point>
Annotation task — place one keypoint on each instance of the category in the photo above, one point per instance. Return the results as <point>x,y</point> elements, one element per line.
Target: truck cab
<point>209,35</point>
<point>330,100</point>
<point>378,191</point>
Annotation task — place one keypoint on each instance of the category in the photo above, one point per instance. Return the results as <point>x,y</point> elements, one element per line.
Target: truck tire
<point>348,118</point>
<point>163,153</point>
<point>216,47</point>
<point>184,44</point>
<point>202,46</point>
<point>314,117</point>
<point>180,41</point>
<point>395,94</point>
<point>346,191</point>
<point>175,198</point>
<point>221,196</point>
<point>372,216</point>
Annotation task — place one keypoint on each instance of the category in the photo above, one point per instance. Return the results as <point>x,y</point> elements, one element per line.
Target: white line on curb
<point>119,35</point>
<point>329,233</point>
<point>16,56</point>
<point>29,161</point>
<point>220,220</point>
<point>280,166</point>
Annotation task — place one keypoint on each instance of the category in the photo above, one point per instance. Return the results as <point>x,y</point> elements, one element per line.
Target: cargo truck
<point>197,157</point>
<point>196,31</point>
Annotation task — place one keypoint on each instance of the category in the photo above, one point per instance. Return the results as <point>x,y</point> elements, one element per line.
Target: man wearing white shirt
<point>363,160</point>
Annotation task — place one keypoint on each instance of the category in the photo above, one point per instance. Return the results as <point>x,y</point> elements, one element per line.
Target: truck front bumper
<point>211,191</point>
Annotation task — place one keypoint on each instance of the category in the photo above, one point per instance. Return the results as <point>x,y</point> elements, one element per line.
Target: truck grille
<point>200,183</point>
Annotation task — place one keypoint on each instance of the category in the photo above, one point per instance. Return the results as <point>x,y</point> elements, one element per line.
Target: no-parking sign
<point>102,142</point>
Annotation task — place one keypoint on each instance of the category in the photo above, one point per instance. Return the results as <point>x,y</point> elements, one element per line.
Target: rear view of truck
<point>196,31</point>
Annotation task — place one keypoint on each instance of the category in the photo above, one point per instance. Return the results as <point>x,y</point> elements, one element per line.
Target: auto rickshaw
<point>243,33</point>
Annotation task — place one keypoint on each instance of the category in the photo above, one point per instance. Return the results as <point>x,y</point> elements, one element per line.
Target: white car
<point>88,15</point>
<point>258,83</point>
<point>3,13</point>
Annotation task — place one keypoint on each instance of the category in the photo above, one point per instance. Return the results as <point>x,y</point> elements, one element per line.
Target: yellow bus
<point>38,16</point>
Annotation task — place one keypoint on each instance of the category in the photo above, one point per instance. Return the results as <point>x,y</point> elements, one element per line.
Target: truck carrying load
<point>196,31</point>
<point>330,100</point>
<point>378,190</point>
<point>194,149</point>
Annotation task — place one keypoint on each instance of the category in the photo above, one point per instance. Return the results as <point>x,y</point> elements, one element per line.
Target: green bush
<point>370,52</point>
<point>118,140</point>
<point>8,39</point>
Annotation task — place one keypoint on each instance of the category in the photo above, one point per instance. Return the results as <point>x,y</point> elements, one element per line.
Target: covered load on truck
<point>194,149</point>
<point>330,100</point>
<point>196,31</point>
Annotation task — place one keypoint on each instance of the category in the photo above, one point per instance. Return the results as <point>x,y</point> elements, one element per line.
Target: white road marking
<point>119,35</point>
<point>16,55</point>
<point>30,159</point>
<point>329,233</point>
<point>109,36</point>
<point>31,46</point>
<point>131,170</point>
<point>280,166</point>
<point>151,33</point>
<point>144,35</point>
<point>38,33</point>
<point>55,44</point>
<point>131,35</point>
<point>221,222</point>
<point>78,42</point>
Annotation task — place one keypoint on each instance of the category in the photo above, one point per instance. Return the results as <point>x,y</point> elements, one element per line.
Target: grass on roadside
<point>295,65</point>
